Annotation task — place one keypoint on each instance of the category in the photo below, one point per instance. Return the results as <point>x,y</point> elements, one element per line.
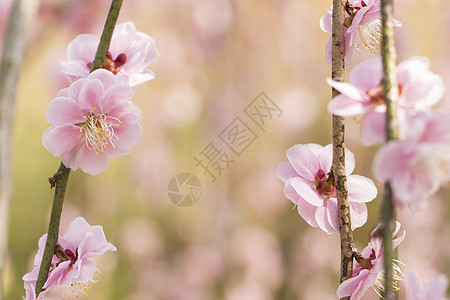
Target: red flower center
<point>113,65</point>
<point>325,184</point>
<point>376,94</point>
<point>73,257</point>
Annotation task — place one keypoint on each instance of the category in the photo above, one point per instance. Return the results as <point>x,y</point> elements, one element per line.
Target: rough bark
<point>338,167</point>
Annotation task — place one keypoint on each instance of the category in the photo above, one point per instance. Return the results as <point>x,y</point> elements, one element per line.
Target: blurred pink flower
<point>363,27</point>
<point>71,265</point>
<point>5,10</point>
<point>368,268</point>
<point>93,120</point>
<point>419,89</point>
<point>418,165</point>
<point>310,185</point>
<point>434,290</point>
<point>130,53</point>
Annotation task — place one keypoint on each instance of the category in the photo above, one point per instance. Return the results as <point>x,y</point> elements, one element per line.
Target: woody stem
<point>390,95</point>
<point>338,166</point>
<point>61,177</point>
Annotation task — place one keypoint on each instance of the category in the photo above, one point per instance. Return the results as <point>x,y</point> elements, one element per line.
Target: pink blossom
<point>434,290</point>
<point>71,265</point>
<point>5,10</point>
<point>130,54</point>
<point>368,268</point>
<point>92,121</point>
<point>310,185</point>
<point>419,90</point>
<point>418,165</point>
<point>362,27</point>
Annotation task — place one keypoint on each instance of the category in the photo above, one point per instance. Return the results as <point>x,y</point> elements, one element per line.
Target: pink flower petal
<point>90,162</point>
<point>69,158</point>
<point>107,78</point>
<point>128,113</point>
<point>128,137</point>
<point>329,52</point>
<point>332,214</point>
<point>436,289</point>
<point>322,219</point>
<point>367,74</point>
<point>325,158</point>
<point>73,91</point>
<point>286,171</point>
<point>350,91</point>
<point>304,159</point>
<point>74,70</point>
<point>136,79</point>
<point>118,95</point>
<point>77,231</point>
<point>349,162</point>
<point>358,20</point>
<point>90,95</point>
<point>413,286</point>
<point>361,189</point>
<point>389,160</point>
<point>61,139</point>
<point>326,21</point>
<point>94,243</point>
<point>124,35</point>
<point>307,212</point>
<point>349,286</point>
<point>63,110</point>
<point>306,191</point>
<point>358,214</point>
<point>364,285</point>
<point>86,271</point>
<point>58,276</point>
<point>84,47</point>
<point>373,127</point>
<point>290,193</point>
<point>348,50</point>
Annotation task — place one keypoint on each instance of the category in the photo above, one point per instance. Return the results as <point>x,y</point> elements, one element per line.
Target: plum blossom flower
<point>129,56</point>
<point>309,183</point>
<point>418,165</point>
<point>71,265</point>
<point>92,121</point>
<point>419,90</point>
<point>362,27</point>
<point>416,290</point>
<point>368,268</point>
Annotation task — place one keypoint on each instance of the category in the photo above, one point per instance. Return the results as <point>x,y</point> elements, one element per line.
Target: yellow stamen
<point>369,35</point>
<point>99,132</point>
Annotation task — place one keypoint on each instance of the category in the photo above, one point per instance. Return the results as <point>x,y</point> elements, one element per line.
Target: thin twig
<point>61,177</point>
<point>21,16</point>
<point>390,93</point>
<point>338,167</point>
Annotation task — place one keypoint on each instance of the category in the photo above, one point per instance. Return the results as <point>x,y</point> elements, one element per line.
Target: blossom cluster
<point>71,264</point>
<point>92,120</point>
<point>416,164</point>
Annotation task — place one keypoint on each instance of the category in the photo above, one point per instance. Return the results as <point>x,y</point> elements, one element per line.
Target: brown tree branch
<point>338,167</point>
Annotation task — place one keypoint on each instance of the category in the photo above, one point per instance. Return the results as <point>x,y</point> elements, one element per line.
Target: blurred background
<point>241,239</point>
